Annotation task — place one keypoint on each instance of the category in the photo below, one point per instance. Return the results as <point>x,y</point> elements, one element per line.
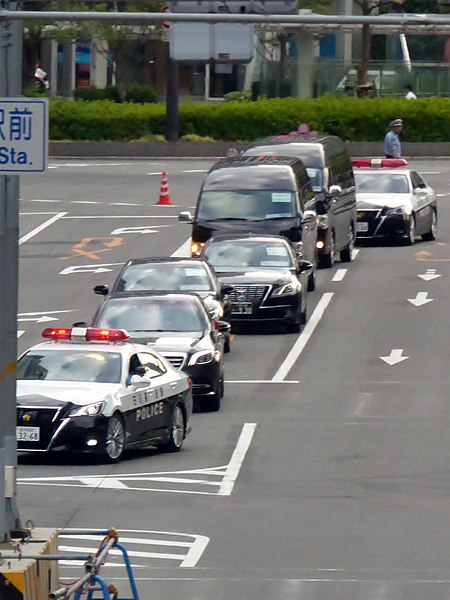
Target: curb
<point>196,150</point>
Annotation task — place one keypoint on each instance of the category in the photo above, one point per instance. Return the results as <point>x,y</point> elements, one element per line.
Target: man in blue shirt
<point>392,145</point>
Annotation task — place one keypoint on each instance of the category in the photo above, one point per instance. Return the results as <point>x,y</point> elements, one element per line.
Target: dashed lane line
<point>339,275</point>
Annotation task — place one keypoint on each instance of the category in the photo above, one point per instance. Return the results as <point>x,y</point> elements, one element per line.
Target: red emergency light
<point>383,163</point>
<point>89,334</point>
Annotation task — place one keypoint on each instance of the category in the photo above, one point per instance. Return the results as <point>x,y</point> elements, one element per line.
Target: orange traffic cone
<point>164,197</point>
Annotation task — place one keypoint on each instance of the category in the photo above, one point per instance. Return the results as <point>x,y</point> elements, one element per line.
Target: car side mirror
<point>80,324</point>
<point>226,288</point>
<point>305,265</point>
<point>138,381</point>
<point>309,216</point>
<point>335,190</point>
<point>185,217</point>
<point>224,327</point>
<point>103,290</point>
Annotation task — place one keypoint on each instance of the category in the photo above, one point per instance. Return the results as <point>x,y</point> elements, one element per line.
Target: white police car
<point>92,390</point>
<point>393,201</point>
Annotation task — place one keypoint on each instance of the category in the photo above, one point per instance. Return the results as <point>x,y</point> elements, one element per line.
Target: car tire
<point>294,327</point>
<point>115,439</point>
<point>327,260</point>
<point>177,430</point>
<point>303,314</point>
<point>227,344</point>
<point>411,236</point>
<point>311,282</point>
<point>431,235</point>
<point>346,254</point>
<point>212,404</point>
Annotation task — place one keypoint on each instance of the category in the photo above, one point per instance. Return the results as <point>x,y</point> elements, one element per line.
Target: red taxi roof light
<point>385,163</point>
<point>106,335</point>
<point>55,333</point>
<point>89,334</point>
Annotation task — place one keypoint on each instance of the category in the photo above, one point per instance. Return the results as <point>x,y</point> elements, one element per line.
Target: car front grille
<point>44,418</point>
<point>176,359</point>
<point>372,218</point>
<point>246,293</point>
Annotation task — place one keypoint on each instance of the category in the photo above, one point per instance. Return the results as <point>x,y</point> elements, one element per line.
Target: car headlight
<point>90,410</point>
<point>201,358</point>
<point>398,210</point>
<point>289,289</point>
<point>323,221</point>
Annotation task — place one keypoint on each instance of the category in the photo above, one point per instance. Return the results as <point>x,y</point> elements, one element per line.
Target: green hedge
<point>426,120</point>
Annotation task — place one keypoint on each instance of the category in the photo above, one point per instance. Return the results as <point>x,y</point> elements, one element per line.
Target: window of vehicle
<point>228,256</point>
<point>246,205</point>
<point>165,277</point>
<point>152,364</point>
<point>152,314</point>
<point>381,183</point>
<point>417,181</point>
<point>70,365</point>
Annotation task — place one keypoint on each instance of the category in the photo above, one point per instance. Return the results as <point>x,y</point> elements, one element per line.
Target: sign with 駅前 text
<point>23,135</point>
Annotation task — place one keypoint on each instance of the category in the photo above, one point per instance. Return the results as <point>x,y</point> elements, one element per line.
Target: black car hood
<point>256,277</point>
<point>288,228</point>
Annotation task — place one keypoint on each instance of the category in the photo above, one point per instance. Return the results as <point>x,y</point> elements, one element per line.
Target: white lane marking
<point>303,338</point>
<point>210,481</point>
<point>124,204</point>
<point>191,546</point>
<point>89,269</point>
<point>46,312</point>
<point>31,214</point>
<point>20,333</point>
<point>362,404</point>
<point>429,275</point>
<point>123,217</point>
<point>441,195</point>
<point>395,357</point>
<point>43,319</point>
<point>430,172</point>
<point>148,229</point>
<point>304,580</point>
<point>41,200</point>
<point>155,173</point>
<point>237,458</point>
<point>41,227</point>
<point>260,381</point>
<point>195,171</point>
<point>184,249</point>
<point>86,202</point>
<point>420,299</point>
<point>339,275</point>
<point>355,253</point>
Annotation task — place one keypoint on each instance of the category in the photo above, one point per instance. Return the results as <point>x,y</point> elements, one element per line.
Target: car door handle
<point>173,384</point>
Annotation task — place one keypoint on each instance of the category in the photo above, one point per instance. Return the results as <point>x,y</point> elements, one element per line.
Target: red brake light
<point>107,335</point>
<point>53,333</point>
<point>386,163</point>
<point>216,325</point>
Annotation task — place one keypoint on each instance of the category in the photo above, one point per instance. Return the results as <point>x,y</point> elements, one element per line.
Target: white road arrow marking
<point>420,299</point>
<point>394,357</point>
<point>43,319</point>
<point>429,275</point>
<point>20,333</point>
<point>89,269</point>
<point>125,230</point>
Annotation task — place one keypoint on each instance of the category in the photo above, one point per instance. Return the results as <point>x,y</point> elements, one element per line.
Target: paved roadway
<point>327,472</point>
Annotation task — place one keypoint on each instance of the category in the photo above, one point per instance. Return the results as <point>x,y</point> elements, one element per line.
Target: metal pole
<point>10,86</point>
<point>172,101</point>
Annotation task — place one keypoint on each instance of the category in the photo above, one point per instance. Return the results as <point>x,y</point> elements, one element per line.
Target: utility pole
<point>10,86</point>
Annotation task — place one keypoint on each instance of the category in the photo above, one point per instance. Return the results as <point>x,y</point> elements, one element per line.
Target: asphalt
<point>326,480</point>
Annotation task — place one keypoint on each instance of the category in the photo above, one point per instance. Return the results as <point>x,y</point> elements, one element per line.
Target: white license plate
<point>28,434</point>
<point>242,308</point>
<point>362,226</point>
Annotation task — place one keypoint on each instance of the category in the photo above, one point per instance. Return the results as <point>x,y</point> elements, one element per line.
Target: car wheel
<point>311,282</point>
<point>294,327</point>
<point>303,314</point>
<point>227,344</point>
<point>431,235</point>
<point>327,260</point>
<point>346,254</point>
<point>212,404</point>
<point>411,237</point>
<point>115,439</point>
<point>177,430</point>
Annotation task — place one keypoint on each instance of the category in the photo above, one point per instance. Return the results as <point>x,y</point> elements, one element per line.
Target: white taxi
<point>393,201</point>
<point>88,389</point>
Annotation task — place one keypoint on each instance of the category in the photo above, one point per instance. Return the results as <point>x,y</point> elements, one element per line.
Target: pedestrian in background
<point>40,77</point>
<point>392,145</point>
<point>409,93</point>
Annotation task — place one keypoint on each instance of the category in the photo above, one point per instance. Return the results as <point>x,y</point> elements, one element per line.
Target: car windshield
<point>165,277</point>
<point>70,365</point>
<point>152,314</point>
<point>316,176</point>
<point>381,183</point>
<point>242,256</point>
<point>246,205</point>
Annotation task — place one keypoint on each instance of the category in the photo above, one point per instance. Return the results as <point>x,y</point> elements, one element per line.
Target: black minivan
<point>271,195</point>
<point>329,166</point>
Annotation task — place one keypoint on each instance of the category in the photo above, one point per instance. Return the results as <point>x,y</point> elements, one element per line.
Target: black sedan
<point>169,274</point>
<point>179,328</point>
<point>269,282</point>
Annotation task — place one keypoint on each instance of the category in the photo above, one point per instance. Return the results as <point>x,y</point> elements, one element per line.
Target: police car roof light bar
<point>385,163</point>
<point>89,334</point>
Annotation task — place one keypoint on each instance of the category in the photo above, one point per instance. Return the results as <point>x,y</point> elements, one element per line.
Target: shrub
<point>141,94</point>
